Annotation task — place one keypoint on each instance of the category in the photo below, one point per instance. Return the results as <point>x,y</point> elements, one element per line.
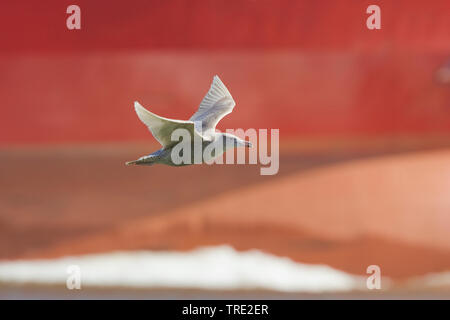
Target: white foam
<point>215,268</point>
<point>432,280</point>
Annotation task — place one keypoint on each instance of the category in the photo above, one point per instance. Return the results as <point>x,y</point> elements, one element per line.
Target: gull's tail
<point>147,161</point>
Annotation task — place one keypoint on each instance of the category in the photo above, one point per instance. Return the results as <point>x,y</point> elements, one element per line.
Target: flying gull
<point>217,103</point>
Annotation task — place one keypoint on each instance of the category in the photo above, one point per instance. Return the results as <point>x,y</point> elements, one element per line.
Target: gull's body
<point>217,103</point>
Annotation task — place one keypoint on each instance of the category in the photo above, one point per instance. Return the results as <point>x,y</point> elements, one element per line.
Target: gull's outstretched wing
<point>217,103</point>
<point>162,128</point>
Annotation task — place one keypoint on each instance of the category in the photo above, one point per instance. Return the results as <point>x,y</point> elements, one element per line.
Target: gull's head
<point>231,140</point>
<point>238,142</point>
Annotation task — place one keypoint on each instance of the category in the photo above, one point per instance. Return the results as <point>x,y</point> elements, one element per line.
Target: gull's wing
<point>217,103</point>
<point>162,128</point>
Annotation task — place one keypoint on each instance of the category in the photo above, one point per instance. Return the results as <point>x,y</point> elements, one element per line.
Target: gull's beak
<point>248,144</point>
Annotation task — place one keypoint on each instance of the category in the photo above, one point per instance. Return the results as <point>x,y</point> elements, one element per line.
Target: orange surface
<point>388,210</point>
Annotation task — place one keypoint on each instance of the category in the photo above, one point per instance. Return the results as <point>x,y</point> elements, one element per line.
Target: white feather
<point>162,128</point>
<point>217,103</point>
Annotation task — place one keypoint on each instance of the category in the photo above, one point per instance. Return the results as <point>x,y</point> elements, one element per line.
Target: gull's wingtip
<point>140,110</point>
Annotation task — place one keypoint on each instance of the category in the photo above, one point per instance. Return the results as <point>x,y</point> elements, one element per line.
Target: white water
<point>214,268</point>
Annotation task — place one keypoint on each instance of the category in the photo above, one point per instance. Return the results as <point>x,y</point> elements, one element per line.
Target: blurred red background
<point>308,68</point>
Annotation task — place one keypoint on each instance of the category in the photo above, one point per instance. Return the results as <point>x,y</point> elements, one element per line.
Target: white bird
<point>217,103</point>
